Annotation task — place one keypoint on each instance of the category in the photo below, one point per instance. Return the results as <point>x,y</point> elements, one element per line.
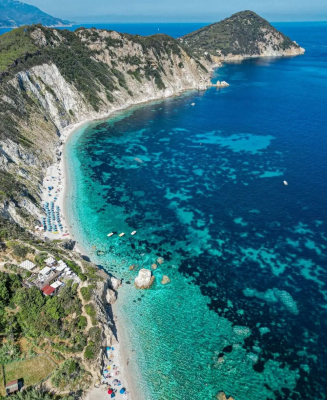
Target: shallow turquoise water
<point>245,311</point>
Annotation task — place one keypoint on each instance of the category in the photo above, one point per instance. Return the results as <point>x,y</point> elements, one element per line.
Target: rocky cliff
<point>50,79</point>
<point>243,35</point>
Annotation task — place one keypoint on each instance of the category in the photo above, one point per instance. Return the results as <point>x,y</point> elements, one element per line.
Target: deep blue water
<point>245,311</point>
<point>173,29</point>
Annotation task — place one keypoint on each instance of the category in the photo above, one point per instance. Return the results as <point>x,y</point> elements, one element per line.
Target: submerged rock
<point>165,279</point>
<point>154,266</point>
<point>131,267</point>
<point>160,260</point>
<point>144,279</point>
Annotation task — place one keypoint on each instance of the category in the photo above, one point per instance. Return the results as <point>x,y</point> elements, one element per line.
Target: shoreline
<point>61,166</point>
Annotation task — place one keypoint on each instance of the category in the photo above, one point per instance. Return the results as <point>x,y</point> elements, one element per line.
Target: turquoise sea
<point>246,309</point>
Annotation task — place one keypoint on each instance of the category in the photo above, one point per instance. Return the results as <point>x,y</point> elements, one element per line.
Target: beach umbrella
<point>122,391</point>
<point>115,381</point>
<point>110,391</point>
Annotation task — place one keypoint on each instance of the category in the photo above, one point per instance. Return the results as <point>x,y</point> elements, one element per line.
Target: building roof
<point>45,271</point>
<point>12,383</point>
<point>50,261</point>
<point>27,264</point>
<point>56,284</point>
<point>61,267</point>
<point>47,290</point>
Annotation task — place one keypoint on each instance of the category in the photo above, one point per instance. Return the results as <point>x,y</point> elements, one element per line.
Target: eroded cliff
<point>67,77</point>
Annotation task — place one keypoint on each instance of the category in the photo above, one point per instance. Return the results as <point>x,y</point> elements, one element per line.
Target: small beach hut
<point>12,387</point>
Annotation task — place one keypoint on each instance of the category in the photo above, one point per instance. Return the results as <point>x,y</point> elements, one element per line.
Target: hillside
<point>53,78</point>
<point>244,34</point>
<point>15,13</point>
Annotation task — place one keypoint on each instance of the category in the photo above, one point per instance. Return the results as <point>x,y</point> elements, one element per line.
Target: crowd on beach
<point>110,377</point>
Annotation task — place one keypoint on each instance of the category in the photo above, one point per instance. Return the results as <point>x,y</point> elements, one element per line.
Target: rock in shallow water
<point>165,279</point>
<point>222,396</point>
<point>144,279</point>
<point>154,266</point>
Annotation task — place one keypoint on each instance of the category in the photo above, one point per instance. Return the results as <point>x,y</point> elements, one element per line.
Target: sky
<point>180,10</point>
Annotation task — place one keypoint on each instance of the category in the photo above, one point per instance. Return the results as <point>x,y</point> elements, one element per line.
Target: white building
<point>28,265</point>
<point>50,261</point>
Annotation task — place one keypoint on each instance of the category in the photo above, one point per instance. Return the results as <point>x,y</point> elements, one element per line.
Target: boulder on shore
<point>165,279</point>
<point>115,283</point>
<point>111,296</point>
<point>144,279</point>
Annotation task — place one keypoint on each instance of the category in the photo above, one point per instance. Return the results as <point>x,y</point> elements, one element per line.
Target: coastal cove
<point>244,311</point>
<point>122,156</point>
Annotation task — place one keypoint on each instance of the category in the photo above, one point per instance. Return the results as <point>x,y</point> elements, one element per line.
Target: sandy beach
<point>57,179</point>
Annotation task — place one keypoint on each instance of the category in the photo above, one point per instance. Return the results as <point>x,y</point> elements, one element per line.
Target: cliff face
<point>243,35</point>
<point>68,77</point>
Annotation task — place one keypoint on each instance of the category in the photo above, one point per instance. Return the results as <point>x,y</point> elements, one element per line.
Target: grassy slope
<point>14,45</point>
<point>238,34</point>
<point>32,370</point>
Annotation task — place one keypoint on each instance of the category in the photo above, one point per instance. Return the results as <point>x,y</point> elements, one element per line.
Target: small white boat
<point>122,234</point>
<point>110,234</point>
<point>285,183</point>
<point>193,104</point>
<point>133,233</point>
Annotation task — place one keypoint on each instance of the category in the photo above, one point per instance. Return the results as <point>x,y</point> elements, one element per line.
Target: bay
<point>245,311</point>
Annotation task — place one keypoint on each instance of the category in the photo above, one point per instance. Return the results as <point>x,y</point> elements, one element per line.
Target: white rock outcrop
<point>115,283</point>
<point>111,296</point>
<point>144,279</point>
<point>222,84</point>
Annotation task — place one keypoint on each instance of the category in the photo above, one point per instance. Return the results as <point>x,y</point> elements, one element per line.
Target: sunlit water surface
<point>245,311</point>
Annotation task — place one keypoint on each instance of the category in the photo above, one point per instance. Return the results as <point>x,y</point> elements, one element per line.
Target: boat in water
<point>285,183</point>
<point>133,233</point>
<point>121,234</point>
<point>110,234</point>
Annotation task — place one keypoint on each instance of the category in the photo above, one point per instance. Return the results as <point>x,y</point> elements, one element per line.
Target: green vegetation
<point>90,310</point>
<point>37,316</point>
<point>31,370</point>
<point>37,394</point>
<point>71,373</point>
<point>76,268</point>
<point>239,34</point>
<point>9,352</point>
<point>14,46</point>
<point>93,347</point>
<point>87,292</point>
<point>90,351</point>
